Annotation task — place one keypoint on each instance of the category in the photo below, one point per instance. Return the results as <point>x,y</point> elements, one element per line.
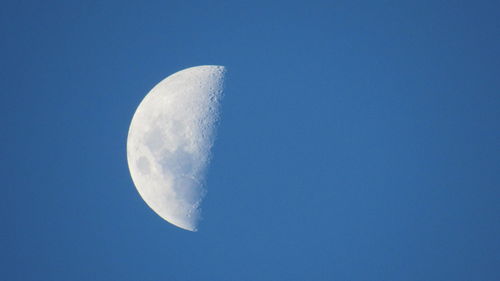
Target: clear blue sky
<point>359,140</point>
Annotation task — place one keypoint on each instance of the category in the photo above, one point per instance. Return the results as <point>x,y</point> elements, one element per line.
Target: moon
<point>169,142</point>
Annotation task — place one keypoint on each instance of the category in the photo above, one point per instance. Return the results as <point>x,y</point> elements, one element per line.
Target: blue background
<point>359,140</point>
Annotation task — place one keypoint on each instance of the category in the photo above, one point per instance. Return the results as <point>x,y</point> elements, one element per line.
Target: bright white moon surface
<point>169,142</point>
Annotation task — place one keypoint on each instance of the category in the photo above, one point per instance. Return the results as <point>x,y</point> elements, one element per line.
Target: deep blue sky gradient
<point>359,140</point>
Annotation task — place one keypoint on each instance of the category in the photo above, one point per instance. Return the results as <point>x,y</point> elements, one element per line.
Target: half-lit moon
<point>169,142</point>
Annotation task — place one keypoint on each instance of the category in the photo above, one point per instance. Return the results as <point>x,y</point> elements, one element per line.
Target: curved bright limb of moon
<point>169,142</point>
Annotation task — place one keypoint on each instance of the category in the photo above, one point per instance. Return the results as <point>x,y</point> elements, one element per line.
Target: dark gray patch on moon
<point>154,139</point>
<point>178,162</point>
<point>143,165</point>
